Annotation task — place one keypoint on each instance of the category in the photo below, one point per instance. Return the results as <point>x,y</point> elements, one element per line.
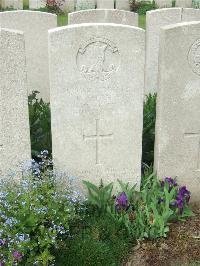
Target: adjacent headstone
<point>85,4</point>
<point>190,14</point>
<point>105,4</point>
<point>177,150</point>
<point>183,3</point>
<point>104,16</point>
<point>67,6</point>
<point>163,3</point>
<point>97,100</point>
<point>14,120</point>
<point>123,4</point>
<point>12,4</point>
<point>37,4</point>
<point>35,26</point>
<point>154,21</point>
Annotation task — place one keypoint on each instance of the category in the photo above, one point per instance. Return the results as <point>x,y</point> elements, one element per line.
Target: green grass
<point>142,21</point>
<point>62,20</point>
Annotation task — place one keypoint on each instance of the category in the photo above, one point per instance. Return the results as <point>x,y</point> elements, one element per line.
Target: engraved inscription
<point>195,135</point>
<point>97,137</point>
<point>98,59</point>
<point>194,57</point>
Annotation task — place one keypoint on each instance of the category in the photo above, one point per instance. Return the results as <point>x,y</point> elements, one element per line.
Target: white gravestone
<point>85,4</point>
<point>104,16</point>
<point>36,4</point>
<point>177,151</point>
<point>14,119</point>
<point>97,100</point>
<point>184,3</point>
<point>163,3</point>
<point>35,26</point>
<point>67,6</point>
<point>123,4</point>
<point>190,14</point>
<point>13,4</point>
<point>105,4</point>
<point>154,21</point>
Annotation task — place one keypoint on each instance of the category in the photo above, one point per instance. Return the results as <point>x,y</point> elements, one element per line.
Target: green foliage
<point>40,125</point>
<point>141,7</point>
<point>35,216</point>
<point>149,129</point>
<point>145,214</point>
<point>100,242</point>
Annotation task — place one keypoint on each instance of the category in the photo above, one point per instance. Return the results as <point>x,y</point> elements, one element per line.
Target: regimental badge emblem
<point>98,59</point>
<point>194,57</point>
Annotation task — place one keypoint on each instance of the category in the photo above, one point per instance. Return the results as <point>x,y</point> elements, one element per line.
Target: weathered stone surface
<point>35,26</point>
<point>14,120</point>
<point>104,16</point>
<point>190,14</point>
<point>123,4</point>
<point>163,3</point>
<point>96,101</point>
<point>15,4</point>
<point>36,4</point>
<point>105,4</point>
<point>183,3</point>
<point>68,6</point>
<point>85,4</point>
<point>177,151</point>
<point>154,21</point>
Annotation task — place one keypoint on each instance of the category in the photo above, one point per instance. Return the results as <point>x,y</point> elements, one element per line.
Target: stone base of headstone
<point>36,4</point>
<point>183,3</point>
<point>105,4</point>
<point>85,4</point>
<point>12,4</point>
<point>163,3</point>
<point>123,5</point>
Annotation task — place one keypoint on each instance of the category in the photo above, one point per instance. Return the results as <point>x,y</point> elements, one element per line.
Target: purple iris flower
<point>17,255</point>
<point>121,202</point>
<point>171,182</point>
<point>2,242</point>
<point>184,193</point>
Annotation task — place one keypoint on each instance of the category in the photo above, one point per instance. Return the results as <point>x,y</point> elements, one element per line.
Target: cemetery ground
<point>46,220</point>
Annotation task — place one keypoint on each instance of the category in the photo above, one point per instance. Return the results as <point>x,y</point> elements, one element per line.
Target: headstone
<point>163,3</point>
<point>154,21</point>
<point>12,4</point>
<point>97,100</point>
<point>68,6</point>
<point>35,26</point>
<point>14,120</point>
<point>37,4</point>
<point>104,16</point>
<point>177,150</point>
<point>184,3</point>
<point>123,4</point>
<point>190,14</point>
<point>105,4</point>
<point>85,4</point>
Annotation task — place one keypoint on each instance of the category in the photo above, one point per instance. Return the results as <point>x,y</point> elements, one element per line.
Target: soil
<point>180,248</point>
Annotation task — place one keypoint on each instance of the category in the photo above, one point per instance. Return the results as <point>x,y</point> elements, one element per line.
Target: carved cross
<point>97,137</point>
<point>195,135</point>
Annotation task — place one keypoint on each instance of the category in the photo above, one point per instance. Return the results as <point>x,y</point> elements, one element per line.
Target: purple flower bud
<point>121,202</point>
<point>17,255</point>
